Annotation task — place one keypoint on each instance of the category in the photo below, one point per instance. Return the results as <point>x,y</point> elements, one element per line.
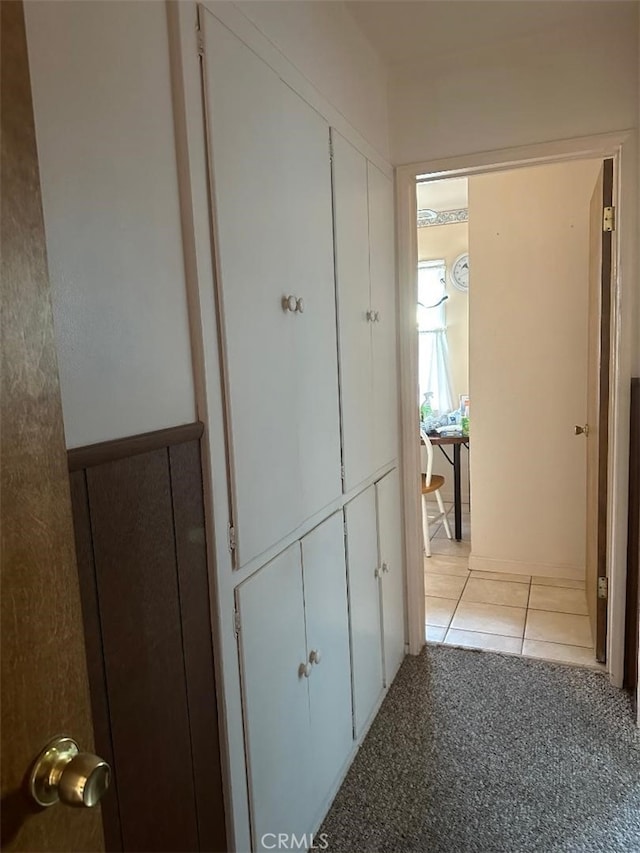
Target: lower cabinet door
<point>391,563</point>
<point>364,605</point>
<point>276,699</point>
<point>325,594</point>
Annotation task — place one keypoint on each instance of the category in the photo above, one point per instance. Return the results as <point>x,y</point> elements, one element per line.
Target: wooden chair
<point>431,484</point>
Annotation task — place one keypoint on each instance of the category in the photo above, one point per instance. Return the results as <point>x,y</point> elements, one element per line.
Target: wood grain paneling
<point>188,508</point>
<point>140,538</point>
<point>134,549</point>
<point>44,680</point>
<point>79,458</point>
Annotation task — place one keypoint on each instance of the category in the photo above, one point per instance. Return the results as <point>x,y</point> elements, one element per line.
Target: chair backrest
<point>426,456</point>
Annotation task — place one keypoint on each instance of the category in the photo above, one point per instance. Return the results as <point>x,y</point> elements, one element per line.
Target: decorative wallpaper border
<point>428,217</point>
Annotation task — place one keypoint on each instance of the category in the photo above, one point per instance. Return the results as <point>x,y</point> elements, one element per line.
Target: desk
<point>457,441</point>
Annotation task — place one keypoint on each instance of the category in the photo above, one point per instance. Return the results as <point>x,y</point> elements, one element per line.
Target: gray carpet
<point>474,752</point>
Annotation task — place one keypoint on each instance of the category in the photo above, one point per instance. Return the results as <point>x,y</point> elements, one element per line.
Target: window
<point>433,351</point>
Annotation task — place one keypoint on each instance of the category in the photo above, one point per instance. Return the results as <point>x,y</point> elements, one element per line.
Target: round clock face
<point>460,272</point>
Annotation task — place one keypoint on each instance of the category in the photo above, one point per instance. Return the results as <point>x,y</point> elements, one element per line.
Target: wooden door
<point>276,698</point>
<point>388,501</point>
<point>44,679</point>
<point>351,236</point>
<point>364,606</point>
<point>383,303</point>
<point>325,594</point>
<point>308,254</point>
<point>244,105</point>
<point>600,274</point>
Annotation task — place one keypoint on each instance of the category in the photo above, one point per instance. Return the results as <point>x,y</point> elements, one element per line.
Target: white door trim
<point>621,146</point>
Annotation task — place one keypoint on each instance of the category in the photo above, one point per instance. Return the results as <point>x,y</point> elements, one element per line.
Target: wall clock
<point>460,272</point>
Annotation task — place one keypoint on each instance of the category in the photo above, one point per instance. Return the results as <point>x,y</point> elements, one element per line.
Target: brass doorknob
<point>581,430</point>
<point>62,773</point>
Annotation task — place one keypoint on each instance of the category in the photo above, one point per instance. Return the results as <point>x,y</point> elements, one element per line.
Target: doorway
<point>408,247</point>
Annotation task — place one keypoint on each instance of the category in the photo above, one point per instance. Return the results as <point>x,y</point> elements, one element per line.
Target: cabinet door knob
<point>370,316</point>
<point>300,305</point>
<point>289,303</point>
<point>385,568</point>
<point>304,670</point>
<point>376,316</point>
<point>61,773</point>
<point>315,656</point>
<point>581,430</point>
<point>377,573</point>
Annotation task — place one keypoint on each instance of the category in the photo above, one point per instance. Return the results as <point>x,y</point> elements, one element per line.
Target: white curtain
<point>434,371</point>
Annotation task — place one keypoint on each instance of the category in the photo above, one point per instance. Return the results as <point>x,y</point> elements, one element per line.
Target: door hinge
<point>200,42</point>
<point>344,527</point>
<point>330,149</point>
<point>236,622</point>
<point>609,219</point>
<point>232,537</point>
<point>603,588</point>
<point>342,472</point>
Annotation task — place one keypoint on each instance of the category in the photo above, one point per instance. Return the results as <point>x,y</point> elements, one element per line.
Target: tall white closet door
<point>388,501</point>
<point>306,219</point>
<point>351,235</point>
<point>276,697</point>
<point>364,605</point>
<point>325,593</point>
<point>383,302</point>
<point>244,101</point>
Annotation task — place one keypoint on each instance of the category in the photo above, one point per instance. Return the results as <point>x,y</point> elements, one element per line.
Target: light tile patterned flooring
<point>532,616</point>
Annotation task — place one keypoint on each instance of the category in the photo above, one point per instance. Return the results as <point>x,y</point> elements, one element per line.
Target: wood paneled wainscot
<point>140,542</point>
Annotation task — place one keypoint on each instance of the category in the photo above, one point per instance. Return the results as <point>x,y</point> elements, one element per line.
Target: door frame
<point>621,146</point>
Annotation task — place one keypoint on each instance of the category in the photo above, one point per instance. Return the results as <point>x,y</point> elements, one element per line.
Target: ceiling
<point>404,32</point>
<point>449,194</point>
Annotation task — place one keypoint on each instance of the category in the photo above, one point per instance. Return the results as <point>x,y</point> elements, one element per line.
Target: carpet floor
<point>475,752</point>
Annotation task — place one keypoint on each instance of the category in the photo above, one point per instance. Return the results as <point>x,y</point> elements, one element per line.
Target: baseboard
<point>516,567</point>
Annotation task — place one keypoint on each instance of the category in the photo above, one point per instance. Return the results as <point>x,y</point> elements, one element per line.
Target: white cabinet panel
<point>383,303</point>
<point>272,204</point>
<point>351,235</point>
<point>276,697</point>
<point>325,593</point>
<point>308,261</point>
<point>364,605</point>
<point>389,515</point>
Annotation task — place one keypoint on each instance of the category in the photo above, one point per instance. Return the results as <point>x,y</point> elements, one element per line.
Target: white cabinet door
<point>276,697</point>
<point>272,204</point>
<point>364,605</point>
<point>308,257</point>
<point>383,304</point>
<point>351,236</point>
<point>388,501</point>
<point>325,594</point>
<point>244,112</point>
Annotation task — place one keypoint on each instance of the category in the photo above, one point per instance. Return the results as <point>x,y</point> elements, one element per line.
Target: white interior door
<point>276,697</point>
<point>383,303</point>
<point>351,235</point>
<point>245,109</point>
<point>388,500</point>
<point>325,593</point>
<point>364,605</point>
<point>306,220</point>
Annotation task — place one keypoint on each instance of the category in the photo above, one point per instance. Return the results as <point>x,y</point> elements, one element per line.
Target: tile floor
<point>518,614</point>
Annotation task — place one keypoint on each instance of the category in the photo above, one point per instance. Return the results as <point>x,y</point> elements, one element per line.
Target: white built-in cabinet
<point>376,593</point>
<point>296,674</point>
<point>305,300</point>
<point>271,193</point>
<point>365,280</point>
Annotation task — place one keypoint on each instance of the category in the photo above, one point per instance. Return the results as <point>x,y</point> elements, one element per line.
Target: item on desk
<point>449,429</point>
<point>465,418</point>
<point>426,411</point>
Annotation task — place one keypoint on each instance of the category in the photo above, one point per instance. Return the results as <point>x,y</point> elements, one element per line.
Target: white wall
<point>104,124</point>
<point>327,47</point>
<point>528,317</point>
<point>552,85</point>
